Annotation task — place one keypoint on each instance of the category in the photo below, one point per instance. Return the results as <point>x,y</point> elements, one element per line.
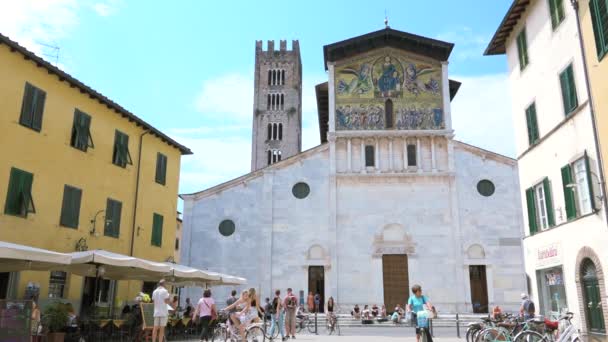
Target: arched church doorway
<point>478,278</point>
<point>316,284</point>
<point>592,299</point>
<point>395,279</point>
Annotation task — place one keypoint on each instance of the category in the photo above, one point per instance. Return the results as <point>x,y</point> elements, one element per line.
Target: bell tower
<point>277,104</point>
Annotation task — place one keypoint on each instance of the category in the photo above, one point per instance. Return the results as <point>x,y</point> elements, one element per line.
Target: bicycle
<point>254,332</point>
<point>332,324</point>
<point>268,325</point>
<point>569,333</point>
<point>305,321</point>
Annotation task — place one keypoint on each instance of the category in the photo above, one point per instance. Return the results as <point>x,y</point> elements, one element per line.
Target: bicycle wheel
<point>423,337</point>
<point>493,335</point>
<point>219,334</point>
<point>329,327</point>
<point>267,331</point>
<point>299,325</point>
<point>529,336</point>
<point>311,326</point>
<point>255,334</point>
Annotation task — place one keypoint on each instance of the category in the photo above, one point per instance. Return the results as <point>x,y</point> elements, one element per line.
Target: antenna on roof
<point>50,52</point>
<point>385,19</point>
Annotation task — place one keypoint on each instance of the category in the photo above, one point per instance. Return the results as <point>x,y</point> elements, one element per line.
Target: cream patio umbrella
<point>15,257</point>
<point>181,275</point>
<point>109,265</point>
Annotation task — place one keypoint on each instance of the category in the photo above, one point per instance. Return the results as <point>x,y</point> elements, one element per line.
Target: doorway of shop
<point>592,298</point>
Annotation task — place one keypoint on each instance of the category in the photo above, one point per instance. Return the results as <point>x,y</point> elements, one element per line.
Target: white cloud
<point>481,113</point>
<point>102,9</point>
<point>106,8</point>
<point>33,23</point>
<point>228,95</point>
<point>222,147</point>
<point>467,43</point>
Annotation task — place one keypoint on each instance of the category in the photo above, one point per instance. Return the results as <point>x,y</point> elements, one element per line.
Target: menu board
<point>147,315</point>
<point>15,320</point>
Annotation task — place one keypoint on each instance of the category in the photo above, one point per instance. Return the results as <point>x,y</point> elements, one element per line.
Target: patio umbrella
<point>15,257</point>
<point>116,266</point>
<point>181,275</point>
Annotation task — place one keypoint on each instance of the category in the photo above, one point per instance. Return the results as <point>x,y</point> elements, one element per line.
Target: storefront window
<point>552,292</point>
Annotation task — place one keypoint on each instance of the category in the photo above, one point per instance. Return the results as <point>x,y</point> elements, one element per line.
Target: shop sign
<point>550,255</point>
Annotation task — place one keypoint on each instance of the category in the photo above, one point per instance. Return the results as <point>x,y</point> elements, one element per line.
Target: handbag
<point>213,313</point>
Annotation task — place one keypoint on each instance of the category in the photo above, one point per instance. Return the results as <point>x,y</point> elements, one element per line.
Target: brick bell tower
<point>277,104</point>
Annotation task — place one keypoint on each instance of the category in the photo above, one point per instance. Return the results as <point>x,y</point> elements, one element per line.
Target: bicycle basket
<point>539,327</point>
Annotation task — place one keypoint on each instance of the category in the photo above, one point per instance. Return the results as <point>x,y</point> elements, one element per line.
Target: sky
<point>186,67</point>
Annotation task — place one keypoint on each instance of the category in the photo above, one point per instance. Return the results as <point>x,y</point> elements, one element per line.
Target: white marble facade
<point>431,212</point>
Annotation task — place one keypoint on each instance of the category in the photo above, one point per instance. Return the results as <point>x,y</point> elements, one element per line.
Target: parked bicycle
<point>267,325</point>
<point>568,334</point>
<point>305,321</point>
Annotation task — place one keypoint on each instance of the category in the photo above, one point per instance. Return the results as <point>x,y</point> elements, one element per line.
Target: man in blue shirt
<point>415,304</point>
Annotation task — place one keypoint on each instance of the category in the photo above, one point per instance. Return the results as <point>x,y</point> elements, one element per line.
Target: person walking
<point>206,311</point>
<point>290,303</point>
<point>527,309</point>
<point>231,300</point>
<point>310,302</point>
<point>160,297</point>
<point>277,315</point>
<point>415,304</point>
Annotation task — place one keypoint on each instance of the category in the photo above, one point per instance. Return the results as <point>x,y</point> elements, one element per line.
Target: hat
<point>524,296</point>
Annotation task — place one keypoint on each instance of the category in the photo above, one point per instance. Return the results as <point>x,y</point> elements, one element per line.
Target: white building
<point>566,236</point>
<point>388,200</point>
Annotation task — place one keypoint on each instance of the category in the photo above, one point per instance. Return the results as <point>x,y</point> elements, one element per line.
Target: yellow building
<point>77,172</point>
<point>593,16</point>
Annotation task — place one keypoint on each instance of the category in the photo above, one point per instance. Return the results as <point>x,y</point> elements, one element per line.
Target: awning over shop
<point>15,257</point>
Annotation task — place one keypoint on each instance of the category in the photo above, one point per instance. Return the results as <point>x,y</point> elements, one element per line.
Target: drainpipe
<point>600,163</point>
<point>141,137</point>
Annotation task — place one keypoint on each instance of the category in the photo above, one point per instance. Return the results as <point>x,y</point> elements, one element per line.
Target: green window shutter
<point>70,209</point>
<point>549,202</point>
<point>557,12</point>
<point>40,98</point>
<point>161,168</point>
<point>112,220</point>
<point>589,181</point>
<point>522,49</point>
<point>81,133</point>
<point>27,106</point>
<point>599,19</point>
<point>19,199</point>
<point>121,156</point>
<point>569,195</point>
<point>566,79</point>
<point>157,230</point>
<point>531,211</point>
<point>532,124</point>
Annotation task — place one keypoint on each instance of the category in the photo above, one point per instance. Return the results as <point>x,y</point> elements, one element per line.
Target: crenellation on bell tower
<point>277,105</point>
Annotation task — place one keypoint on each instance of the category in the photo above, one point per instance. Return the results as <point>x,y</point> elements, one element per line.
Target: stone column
<point>390,154</point>
<point>418,159</point>
<point>433,162</point>
<point>377,155</point>
<point>404,154</point>
<point>349,164</point>
<point>362,155</point>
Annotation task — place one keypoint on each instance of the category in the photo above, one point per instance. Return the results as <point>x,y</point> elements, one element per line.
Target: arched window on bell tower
<point>388,113</point>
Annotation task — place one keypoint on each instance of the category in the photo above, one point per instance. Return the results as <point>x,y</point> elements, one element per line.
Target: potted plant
<point>55,319</point>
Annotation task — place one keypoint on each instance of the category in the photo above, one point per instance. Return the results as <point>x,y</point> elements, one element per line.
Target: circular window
<point>227,227</point>
<point>485,187</point>
<point>300,190</point>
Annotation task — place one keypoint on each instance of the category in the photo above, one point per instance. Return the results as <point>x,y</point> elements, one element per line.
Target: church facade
<point>389,199</point>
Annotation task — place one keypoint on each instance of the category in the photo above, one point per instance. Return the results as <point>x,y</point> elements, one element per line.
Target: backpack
<point>273,307</point>
<point>529,307</point>
<point>291,303</point>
